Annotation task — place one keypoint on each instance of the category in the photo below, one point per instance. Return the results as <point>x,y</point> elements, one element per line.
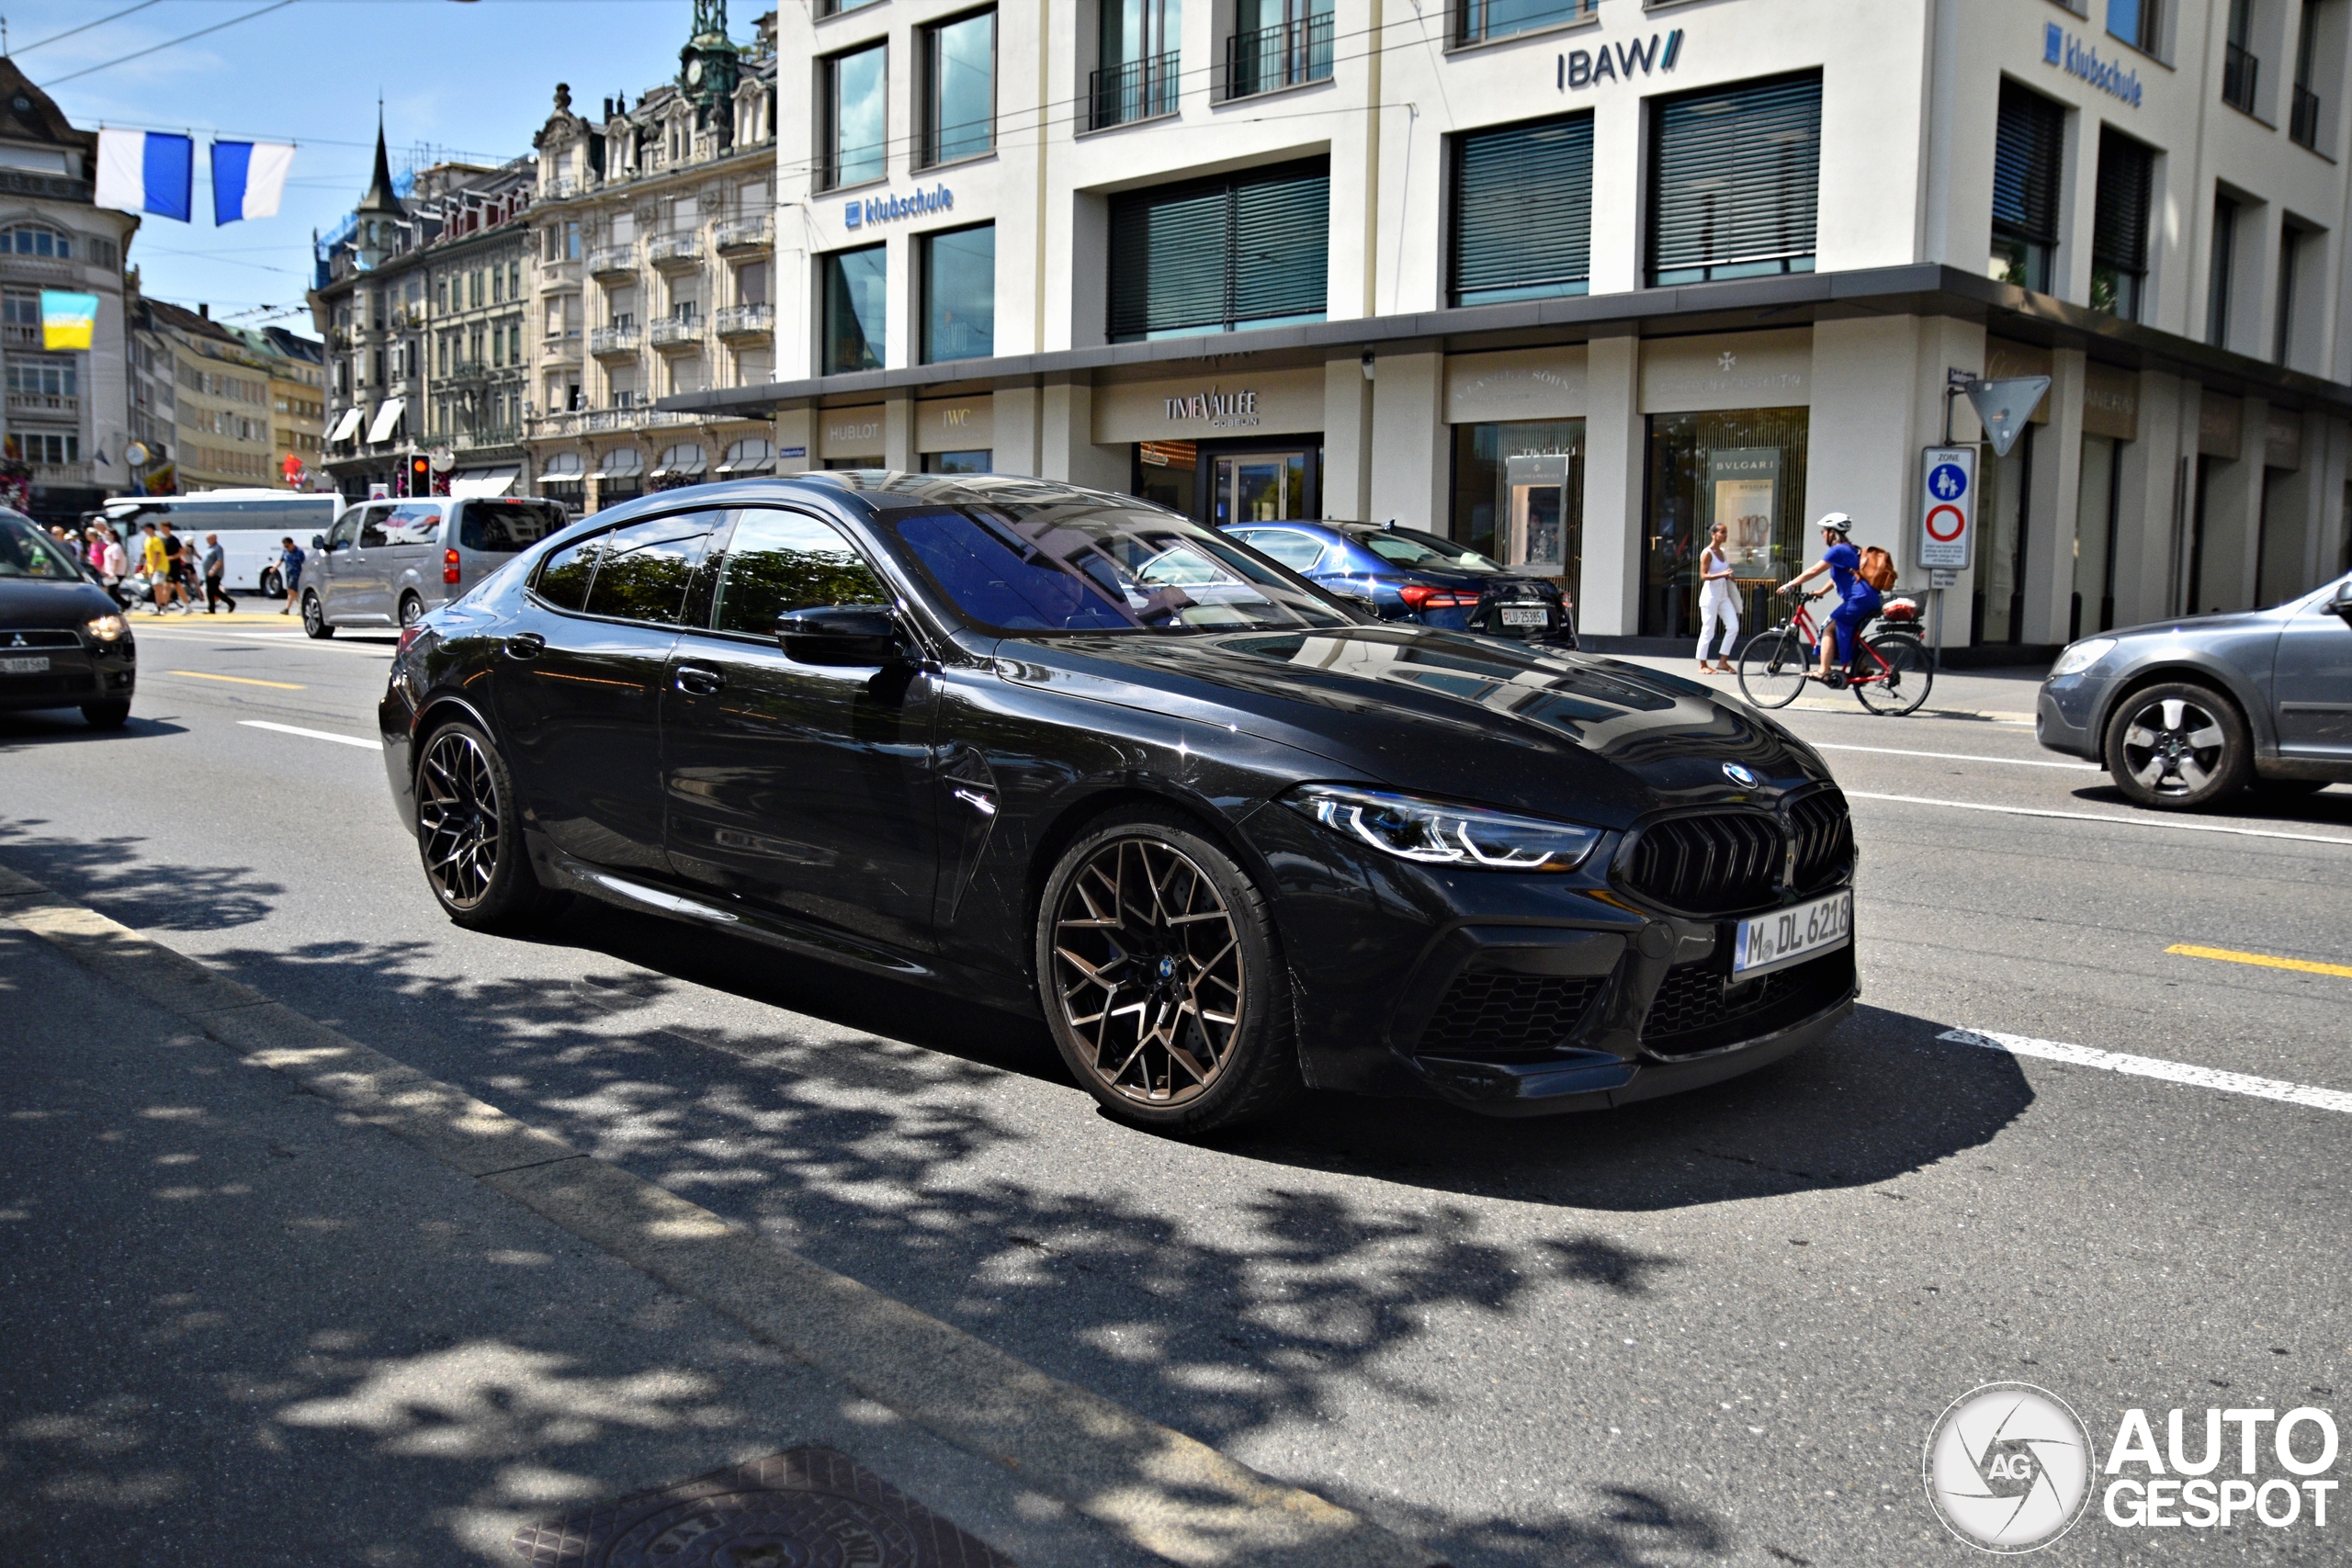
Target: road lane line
<point>2102,816</point>
<point>2261,960</point>
<point>313,734</point>
<point>1958,757</point>
<point>239,679</point>
<point>2181,1073</point>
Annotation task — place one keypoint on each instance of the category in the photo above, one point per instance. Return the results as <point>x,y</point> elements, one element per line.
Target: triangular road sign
<point>2005,406</point>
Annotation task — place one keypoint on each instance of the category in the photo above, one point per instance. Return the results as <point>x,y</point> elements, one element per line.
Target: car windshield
<point>1067,569</point>
<point>26,551</point>
<point>1411,547</point>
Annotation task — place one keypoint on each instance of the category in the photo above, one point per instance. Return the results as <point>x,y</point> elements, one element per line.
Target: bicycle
<point>1890,674</point>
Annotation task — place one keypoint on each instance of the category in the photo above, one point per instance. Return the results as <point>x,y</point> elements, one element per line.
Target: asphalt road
<point>1714,1328</point>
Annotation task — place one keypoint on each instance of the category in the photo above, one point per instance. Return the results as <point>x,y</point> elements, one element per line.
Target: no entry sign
<point>1948,506</point>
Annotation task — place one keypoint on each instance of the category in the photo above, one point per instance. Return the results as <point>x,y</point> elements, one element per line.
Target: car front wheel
<point>1162,979</point>
<point>469,834</point>
<point>2179,746</point>
<point>314,618</point>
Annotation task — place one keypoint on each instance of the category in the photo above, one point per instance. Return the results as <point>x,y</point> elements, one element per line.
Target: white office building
<point>1570,280</point>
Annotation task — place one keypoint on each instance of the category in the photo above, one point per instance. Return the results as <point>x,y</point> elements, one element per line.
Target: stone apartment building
<point>203,397</point>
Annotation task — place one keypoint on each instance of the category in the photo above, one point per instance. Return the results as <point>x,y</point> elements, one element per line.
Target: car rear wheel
<point>314,618</point>
<point>271,585</point>
<point>469,834</point>
<point>411,609</point>
<point>2179,746</point>
<point>1162,979</point>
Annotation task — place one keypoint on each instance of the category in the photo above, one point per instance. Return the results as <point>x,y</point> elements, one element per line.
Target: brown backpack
<point>1877,569</point>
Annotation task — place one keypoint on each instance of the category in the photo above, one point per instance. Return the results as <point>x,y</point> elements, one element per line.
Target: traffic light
<point>420,474</point>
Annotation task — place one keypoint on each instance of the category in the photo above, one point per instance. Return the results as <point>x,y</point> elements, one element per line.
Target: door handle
<point>525,645</point>
<point>697,680</point>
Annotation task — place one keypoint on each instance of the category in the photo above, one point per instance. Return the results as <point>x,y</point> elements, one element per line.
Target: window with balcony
<point>2028,148</point>
<point>1277,43</point>
<point>1476,21</point>
<point>1522,210</point>
<point>1138,72</point>
<point>855,132</point>
<point>2120,225</point>
<point>959,88</point>
<point>2240,70</point>
<point>45,377</point>
<point>1216,256</point>
<point>2135,22</point>
<point>959,294</point>
<point>1735,181</point>
<point>855,309</point>
<point>2302,118</point>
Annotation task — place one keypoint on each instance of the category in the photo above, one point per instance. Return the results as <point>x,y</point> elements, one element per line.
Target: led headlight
<point>108,627</point>
<point>2082,656</point>
<point>1438,832</point>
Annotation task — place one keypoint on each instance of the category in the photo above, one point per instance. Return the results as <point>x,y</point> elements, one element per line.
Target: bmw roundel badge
<point>1741,776</point>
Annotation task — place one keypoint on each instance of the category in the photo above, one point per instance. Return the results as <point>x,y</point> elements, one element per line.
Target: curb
<point>1168,1493</point>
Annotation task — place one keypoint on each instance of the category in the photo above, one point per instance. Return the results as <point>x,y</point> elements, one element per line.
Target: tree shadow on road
<point>115,874</point>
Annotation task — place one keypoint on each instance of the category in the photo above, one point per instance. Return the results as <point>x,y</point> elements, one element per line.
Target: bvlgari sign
<point>1224,411</point>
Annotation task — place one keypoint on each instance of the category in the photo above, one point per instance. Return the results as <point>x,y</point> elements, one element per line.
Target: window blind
<point>1736,180</point>
<point>1209,255</point>
<point>1522,210</point>
<point>2029,142</point>
<point>2120,220</point>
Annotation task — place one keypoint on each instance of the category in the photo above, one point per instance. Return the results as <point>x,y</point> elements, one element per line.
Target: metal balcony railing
<point>619,338</point>
<point>745,234</point>
<point>746,320</point>
<point>2303,125</point>
<point>1138,90</point>
<point>2239,72</point>
<point>611,260</point>
<point>677,331</point>
<point>674,250</point>
<point>1281,56</point>
<point>62,404</point>
<point>556,187</point>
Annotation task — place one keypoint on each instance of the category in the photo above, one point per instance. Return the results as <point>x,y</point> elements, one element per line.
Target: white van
<point>252,525</point>
<point>386,562</point>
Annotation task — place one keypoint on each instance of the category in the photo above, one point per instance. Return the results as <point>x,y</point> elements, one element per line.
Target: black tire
<point>411,609</point>
<point>1910,681</point>
<point>314,618</point>
<point>469,834</point>
<point>271,585</point>
<point>2178,758</point>
<point>1199,932</point>
<point>1772,668</point>
<point>2284,790</point>
<point>106,716</point>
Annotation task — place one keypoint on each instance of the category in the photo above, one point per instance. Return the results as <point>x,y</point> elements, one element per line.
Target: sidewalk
<point>2000,696</point>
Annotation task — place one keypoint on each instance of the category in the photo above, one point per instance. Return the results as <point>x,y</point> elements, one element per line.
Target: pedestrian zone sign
<point>1947,507</point>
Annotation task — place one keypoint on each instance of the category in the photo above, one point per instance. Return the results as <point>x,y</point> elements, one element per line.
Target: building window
<point>20,307</point>
<point>856,111</point>
<point>2290,249</point>
<point>1523,211</point>
<point>2029,146</point>
<point>41,377</point>
<point>2221,275</point>
<point>31,240</point>
<point>2303,118</point>
<point>1736,177</point>
<point>2120,225</point>
<point>959,88</point>
<point>837,7</point>
<point>1519,494</point>
<point>1474,21</point>
<point>1745,469</point>
<point>2134,21</point>
<point>1139,72</point>
<point>855,302</point>
<point>959,294</point>
<point>1246,250</point>
<point>2240,70</point>
<point>1277,43</point>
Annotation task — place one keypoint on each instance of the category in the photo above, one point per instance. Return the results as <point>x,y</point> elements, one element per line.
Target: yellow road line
<point>239,680</point>
<point>2262,960</point>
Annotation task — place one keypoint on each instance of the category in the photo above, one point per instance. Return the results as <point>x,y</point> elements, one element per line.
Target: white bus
<point>251,523</point>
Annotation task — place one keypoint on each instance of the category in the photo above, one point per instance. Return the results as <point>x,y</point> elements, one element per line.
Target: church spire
<point>381,197</point>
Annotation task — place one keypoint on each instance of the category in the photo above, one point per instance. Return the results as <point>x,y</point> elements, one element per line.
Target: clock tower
<point>708,68</point>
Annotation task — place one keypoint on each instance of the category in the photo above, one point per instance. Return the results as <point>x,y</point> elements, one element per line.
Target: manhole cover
<point>806,1508</point>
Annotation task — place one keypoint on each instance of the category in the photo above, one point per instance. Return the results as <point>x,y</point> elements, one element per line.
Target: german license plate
<point>1525,615</point>
<point>1770,940</point>
<point>25,666</point>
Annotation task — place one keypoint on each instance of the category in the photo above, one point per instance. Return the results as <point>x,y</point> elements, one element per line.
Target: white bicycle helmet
<point>1836,522</point>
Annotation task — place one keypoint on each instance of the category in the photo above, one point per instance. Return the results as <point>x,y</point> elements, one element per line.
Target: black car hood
<point>37,602</point>
<point>1445,714</point>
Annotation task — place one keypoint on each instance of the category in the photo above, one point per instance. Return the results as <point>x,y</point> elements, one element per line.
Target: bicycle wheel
<point>1904,681</point>
<point>1771,670</point>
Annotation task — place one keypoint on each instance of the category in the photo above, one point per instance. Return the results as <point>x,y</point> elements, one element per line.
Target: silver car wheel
<point>2174,747</point>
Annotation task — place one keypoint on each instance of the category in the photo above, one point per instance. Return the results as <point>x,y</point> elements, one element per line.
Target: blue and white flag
<point>247,178</point>
<point>146,171</point>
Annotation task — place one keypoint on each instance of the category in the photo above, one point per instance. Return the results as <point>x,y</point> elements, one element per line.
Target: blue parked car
<point>1403,574</point>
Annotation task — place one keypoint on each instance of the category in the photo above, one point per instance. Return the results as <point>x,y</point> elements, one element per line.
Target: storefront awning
<point>683,461</point>
<point>388,414</point>
<point>483,483</point>
<point>626,464</point>
<point>750,456</point>
<point>563,467</point>
<point>345,425</point>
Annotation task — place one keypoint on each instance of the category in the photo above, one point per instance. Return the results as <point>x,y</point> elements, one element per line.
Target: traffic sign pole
<point>1947,523</point>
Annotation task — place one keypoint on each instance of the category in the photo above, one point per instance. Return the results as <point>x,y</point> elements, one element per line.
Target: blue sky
<point>476,77</point>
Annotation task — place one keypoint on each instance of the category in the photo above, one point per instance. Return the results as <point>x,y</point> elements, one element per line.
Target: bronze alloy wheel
<point>1148,967</point>
<point>458,817</point>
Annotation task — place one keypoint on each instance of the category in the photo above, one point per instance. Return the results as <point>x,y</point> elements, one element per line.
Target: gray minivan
<point>386,562</point>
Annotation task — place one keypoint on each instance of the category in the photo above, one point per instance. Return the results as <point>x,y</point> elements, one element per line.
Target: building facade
<point>1572,280</point>
<point>654,274</point>
<point>68,415</point>
<point>204,396</point>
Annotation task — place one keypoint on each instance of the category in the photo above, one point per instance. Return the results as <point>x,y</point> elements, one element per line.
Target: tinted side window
<point>506,526</point>
<point>341,538</point>
<point>777,562</point>
<point>417,523</point>
<point>1296,551</point>
<point>564,575</point>
<point>371,528</point>
<point>643,570</point>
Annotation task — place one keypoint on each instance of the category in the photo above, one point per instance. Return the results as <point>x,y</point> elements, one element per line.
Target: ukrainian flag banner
<point>67,320</point>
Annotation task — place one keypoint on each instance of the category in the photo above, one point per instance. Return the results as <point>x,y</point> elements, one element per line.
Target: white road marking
<point>312,734</point>
<point>2103,817</point>
<point>2156,1067</point>
<point>1960,757</point>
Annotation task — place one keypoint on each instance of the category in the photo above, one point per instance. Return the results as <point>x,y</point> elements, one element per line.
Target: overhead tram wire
<point>85,27</point>
<point>158,49</point>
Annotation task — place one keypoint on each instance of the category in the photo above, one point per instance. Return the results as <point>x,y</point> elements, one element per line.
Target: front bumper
<point>2066,713</point>
<point>82,671</point>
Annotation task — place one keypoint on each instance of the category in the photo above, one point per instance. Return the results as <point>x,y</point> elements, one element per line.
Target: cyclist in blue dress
<point>1858,601</point>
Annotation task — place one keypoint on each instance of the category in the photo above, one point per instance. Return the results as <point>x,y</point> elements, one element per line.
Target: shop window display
<point>1745,469</point>
<point>1519,495</point>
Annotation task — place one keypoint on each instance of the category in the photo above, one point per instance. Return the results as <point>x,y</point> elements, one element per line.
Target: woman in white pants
<point>1718,605</point>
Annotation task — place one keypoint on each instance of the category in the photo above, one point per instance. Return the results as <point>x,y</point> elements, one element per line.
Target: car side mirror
<point>2342,603</point>
<point>317,541</point>
<point>842,635</point>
